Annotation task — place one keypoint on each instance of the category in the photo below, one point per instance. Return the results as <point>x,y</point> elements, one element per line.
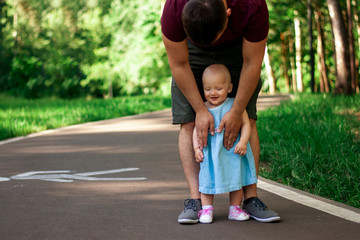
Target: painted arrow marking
<point>70,176</point>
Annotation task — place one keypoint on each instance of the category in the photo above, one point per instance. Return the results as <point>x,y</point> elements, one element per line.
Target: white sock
<point>206,207</point>
<point>232,207</point>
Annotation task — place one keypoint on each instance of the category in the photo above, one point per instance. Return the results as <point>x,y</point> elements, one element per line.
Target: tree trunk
<point>356,17</point>
<point>351,45</point>
<point>270,73</point>
<point>15,28</point>
<point>312,61</point>
<point>284,62</point>
<point>2,5</point>
<point>324,81</point>
<point>292,64</point>
<point>343,76</point>
<point>299,82</point>
<point>357,23</point>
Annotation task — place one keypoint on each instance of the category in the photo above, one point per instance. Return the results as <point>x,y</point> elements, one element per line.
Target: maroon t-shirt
<point>248,19</point>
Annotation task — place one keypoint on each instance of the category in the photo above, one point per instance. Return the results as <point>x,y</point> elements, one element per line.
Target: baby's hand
<point>240,149</point>
<point>199,156</point>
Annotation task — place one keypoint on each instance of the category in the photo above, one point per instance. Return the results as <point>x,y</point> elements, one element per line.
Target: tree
<point>6,42</point>
<point>343,75</point>
<point>299,80</point>
<point>357,23</point>
<point>293,64</point>
<point>284,57</point>
<point>269,72</point>
<point>139,57</point>
<point>354,82</point>
<point>76,48</point>
<point>324,81</point>
<point>311,49</point>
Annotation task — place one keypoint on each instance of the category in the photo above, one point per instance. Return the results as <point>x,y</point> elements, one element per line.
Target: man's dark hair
<point>203,20</point>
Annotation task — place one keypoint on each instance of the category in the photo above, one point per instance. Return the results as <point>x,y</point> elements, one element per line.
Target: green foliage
<point>282,14</point>
<point>20,117</point>
<point>77,48</point>
<point>313,143</point>
<point>138,57</point>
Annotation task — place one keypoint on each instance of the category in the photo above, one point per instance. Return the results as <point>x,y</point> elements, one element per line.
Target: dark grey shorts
<point>201,58</point>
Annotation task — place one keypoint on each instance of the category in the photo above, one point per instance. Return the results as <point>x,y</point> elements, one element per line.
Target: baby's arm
<point>240,147</point>
<point>198,152</point>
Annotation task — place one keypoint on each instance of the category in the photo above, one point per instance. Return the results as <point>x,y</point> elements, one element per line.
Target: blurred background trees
<point>314,45</point>
<point>105,48</point>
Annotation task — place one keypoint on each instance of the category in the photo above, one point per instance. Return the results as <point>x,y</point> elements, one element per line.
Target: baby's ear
<point>230,88</point>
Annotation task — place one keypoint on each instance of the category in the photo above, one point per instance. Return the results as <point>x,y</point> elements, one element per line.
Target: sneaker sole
<point>241,220</point>
<point>188,221</point>
<point>205,222</point>
<point>266,220</point>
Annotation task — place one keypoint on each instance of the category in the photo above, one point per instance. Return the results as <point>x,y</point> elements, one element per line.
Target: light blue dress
<point>222,170</point>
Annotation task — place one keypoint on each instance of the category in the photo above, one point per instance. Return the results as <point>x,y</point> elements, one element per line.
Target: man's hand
<point>231,122</point>
<point>204,122</point>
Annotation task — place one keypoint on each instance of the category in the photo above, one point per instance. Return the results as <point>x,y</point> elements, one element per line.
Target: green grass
<point>312,143</point>
<point>20,117</point>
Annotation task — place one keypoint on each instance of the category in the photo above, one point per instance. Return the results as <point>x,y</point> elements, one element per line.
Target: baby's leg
<point>206,213</point>
<point>236,197</point>
<point>235,211</point>
<point>207,199</point>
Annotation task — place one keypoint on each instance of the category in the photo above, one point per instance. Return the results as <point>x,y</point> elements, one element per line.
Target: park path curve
<point>125,181</point>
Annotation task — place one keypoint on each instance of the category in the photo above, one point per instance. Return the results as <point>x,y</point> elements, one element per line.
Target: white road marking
<point>310,202</point>
<point>3,179</point>
<point>67,176</point>
<point>107,171</point>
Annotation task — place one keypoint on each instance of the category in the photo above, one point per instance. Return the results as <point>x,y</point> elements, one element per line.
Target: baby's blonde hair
<point>218,69</point>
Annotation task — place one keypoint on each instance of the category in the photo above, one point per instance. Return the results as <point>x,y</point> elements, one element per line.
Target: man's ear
<point>228,11</point>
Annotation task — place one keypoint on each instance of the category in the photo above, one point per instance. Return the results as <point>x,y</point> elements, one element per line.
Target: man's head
<point>205,20</point>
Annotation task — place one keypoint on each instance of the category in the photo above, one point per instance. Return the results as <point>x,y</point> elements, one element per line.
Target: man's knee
<point>187,127</point>
<point>253,123</point>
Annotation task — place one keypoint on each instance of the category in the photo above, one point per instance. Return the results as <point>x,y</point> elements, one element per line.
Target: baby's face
<point>216,88</point>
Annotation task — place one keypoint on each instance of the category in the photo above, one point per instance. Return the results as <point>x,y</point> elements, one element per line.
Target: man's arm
<point>178,57</point>
<point>253,54</point>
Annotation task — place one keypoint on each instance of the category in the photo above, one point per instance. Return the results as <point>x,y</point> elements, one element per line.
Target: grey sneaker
<point>191,210</point>
<point>258,211</point>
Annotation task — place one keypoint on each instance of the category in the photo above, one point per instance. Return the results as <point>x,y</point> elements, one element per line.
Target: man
<point>198,33</point>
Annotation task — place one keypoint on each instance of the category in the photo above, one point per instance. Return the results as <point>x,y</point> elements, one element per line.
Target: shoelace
<point>190,204</point>
<point>260,204</point>
<point>241,210</point>
<point>205,211</point>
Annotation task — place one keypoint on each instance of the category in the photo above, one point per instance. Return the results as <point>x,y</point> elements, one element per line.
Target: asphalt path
<point>122,179</point>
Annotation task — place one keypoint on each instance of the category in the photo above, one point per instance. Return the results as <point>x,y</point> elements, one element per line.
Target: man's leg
<point>252,204</point>
<point>191,171</point>
<point>187,157</point>
<point>250,191</point>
